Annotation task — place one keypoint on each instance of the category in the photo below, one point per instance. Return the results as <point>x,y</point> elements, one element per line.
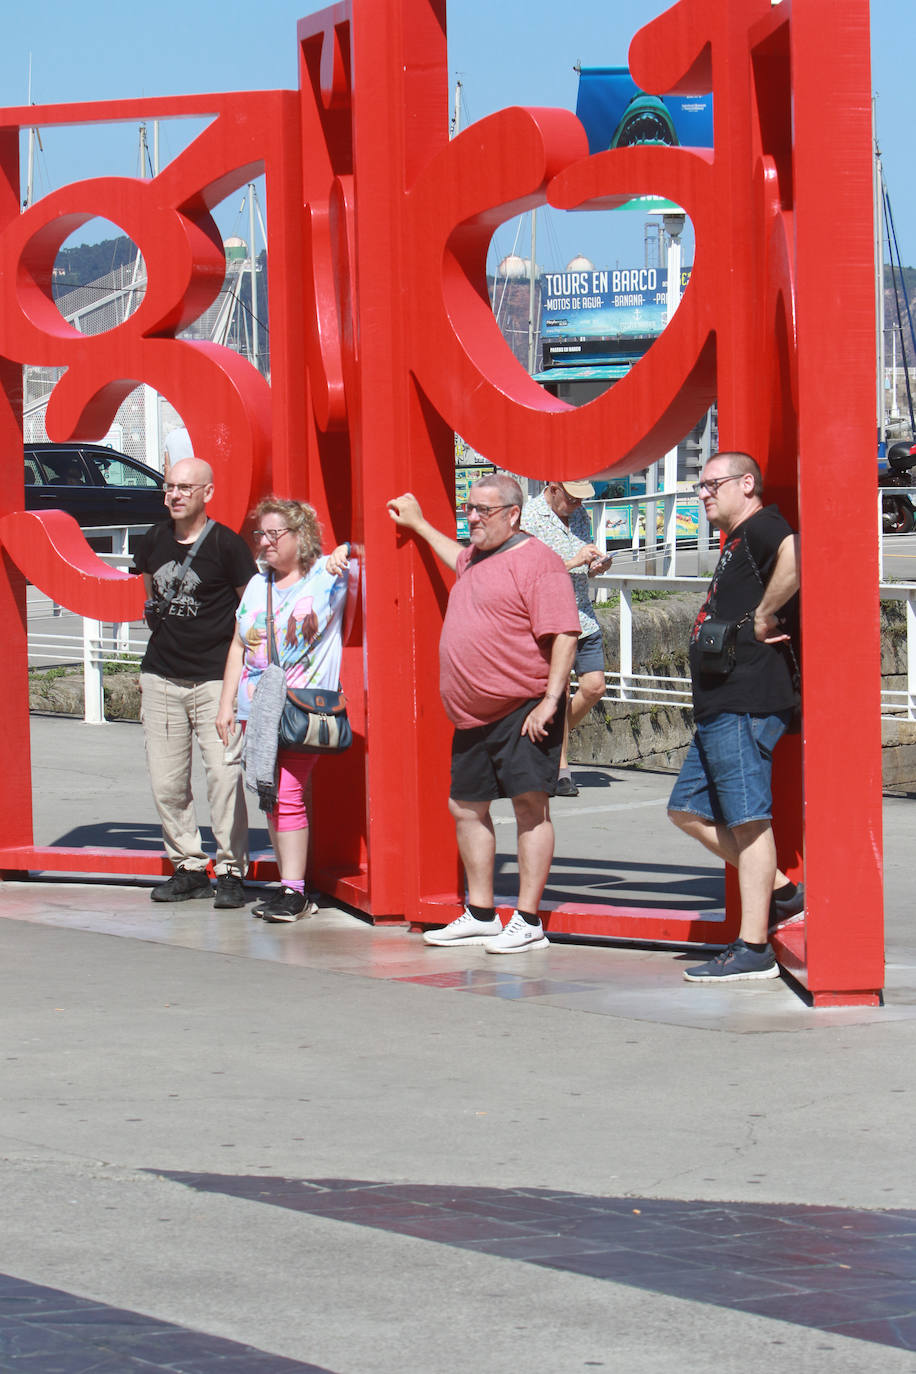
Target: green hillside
<point>89,261</point>
<point>86,263</point>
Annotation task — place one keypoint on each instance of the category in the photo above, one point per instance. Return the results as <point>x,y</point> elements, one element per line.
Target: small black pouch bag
<point>716,642</point>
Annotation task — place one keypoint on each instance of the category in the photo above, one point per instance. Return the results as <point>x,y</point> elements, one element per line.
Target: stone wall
<point>61,693</point>
<point>898,738</point>
<point>634,735</point>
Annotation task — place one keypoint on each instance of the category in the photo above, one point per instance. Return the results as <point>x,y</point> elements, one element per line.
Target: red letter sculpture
<point>383,343</point>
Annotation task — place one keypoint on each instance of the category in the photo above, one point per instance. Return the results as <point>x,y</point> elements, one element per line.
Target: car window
<point>65,468</point>
<point>117,471</point>
<point>33,474</point>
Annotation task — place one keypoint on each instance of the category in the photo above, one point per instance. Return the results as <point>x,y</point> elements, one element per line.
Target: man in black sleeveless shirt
<point>723,796</point>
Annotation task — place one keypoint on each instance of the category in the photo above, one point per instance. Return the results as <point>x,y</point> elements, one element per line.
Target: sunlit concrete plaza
<point>327,1146</point>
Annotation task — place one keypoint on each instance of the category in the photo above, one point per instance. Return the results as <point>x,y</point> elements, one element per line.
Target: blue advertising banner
<point>607,303</point>
<point>617,114</point>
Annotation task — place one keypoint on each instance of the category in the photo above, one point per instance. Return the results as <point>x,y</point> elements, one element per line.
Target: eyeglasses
<point>712,484</point>
<point>573,500</point>
<point>271,536</point>
<point>181,488</point>
<point>483,511</point>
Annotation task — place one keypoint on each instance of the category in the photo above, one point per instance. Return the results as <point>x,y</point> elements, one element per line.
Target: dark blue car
<point>94,484</point>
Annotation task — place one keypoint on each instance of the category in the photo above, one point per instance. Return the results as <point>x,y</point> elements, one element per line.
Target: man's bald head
<point>188,488</point>
<point>192,472</point>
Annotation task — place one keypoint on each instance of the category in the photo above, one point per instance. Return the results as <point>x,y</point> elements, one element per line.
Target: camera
<point>152,614</point>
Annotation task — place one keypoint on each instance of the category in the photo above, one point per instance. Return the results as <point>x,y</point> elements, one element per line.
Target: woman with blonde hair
<point>309,597</point>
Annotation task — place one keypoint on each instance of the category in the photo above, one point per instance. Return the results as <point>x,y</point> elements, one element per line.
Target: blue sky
<point>503,54</point>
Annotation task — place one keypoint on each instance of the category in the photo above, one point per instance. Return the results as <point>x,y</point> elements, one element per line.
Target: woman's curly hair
<point>301,519</point>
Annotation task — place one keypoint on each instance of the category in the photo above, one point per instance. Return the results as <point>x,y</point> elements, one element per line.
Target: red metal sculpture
<point>383,342</point>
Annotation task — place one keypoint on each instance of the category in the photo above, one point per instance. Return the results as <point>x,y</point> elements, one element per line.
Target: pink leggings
<point>295,771</point>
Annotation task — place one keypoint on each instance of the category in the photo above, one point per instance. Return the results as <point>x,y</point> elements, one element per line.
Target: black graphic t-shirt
<point>762,681</point>
<point>193,640</point>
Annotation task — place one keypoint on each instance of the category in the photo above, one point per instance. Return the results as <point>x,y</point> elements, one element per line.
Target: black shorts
<point>497,760</point>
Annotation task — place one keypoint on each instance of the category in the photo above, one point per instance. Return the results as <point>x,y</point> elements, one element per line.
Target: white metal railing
<point>661,556</point>
<point>69,640</point>
<point>626,684</point>
<point>96,646</point>
<point>897,703</point>
<point>910,493</point>
<point>643,565</point>
<point>900,703</point>
<point>59,638</point>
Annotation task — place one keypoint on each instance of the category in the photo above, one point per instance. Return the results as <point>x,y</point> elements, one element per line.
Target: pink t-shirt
<point>502,613</point>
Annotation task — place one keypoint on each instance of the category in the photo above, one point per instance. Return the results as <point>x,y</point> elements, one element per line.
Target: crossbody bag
<point>717,639</point>
<point>314,719</point>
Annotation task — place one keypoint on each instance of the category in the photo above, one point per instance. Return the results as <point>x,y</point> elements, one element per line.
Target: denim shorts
<point>590,654</point>
<point>726,774</point>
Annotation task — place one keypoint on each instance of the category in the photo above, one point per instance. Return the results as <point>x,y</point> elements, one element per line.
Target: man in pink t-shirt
<point>505,655</point>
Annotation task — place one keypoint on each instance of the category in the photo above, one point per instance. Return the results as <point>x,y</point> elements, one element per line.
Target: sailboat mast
<point>879,281</point>
<point>895,409</point>
<point>30,177</point>
<point>532,324</point>
<point>456,118</point>
<point>252,263</point>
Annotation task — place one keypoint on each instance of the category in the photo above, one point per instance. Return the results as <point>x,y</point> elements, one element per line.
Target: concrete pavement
<point>569,1159</point>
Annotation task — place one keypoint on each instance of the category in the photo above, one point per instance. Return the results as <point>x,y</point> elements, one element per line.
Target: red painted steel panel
<point>383,343</point>
<point>836,348</point>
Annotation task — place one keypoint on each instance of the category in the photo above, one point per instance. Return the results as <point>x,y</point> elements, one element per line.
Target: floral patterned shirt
<point>308,617</point>
<point>540,520</point>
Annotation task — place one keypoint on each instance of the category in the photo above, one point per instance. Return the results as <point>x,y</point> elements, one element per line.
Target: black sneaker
<point>310,909</point>
<point>782,910</point>
<point>229,891</point>
<point>566,788</point>
<point>262,902</point>
<point>184,885</point>
<point>737,963</point>
<point>286,905</point>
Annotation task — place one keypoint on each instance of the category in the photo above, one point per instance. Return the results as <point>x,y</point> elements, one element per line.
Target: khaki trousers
<point>174,713</point>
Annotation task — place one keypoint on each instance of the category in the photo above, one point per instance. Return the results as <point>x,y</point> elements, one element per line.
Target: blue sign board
<point>617,114</point>
<point>606,303</point>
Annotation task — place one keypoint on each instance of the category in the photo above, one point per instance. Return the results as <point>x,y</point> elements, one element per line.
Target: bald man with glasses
<point>192,620</point>
<point>505,655</point>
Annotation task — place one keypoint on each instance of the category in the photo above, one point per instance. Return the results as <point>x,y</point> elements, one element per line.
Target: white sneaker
<point>516,936</point>
<point>465,930</point>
